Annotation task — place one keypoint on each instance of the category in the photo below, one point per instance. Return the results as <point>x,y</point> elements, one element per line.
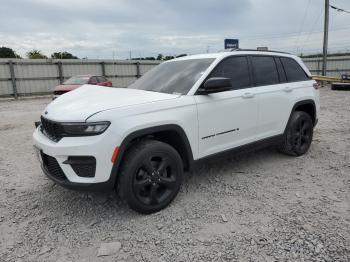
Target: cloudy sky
<point>111,28</point>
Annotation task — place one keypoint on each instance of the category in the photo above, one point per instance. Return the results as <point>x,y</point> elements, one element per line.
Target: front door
<point>228,119</point>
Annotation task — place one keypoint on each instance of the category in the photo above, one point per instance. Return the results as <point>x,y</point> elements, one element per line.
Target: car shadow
<point>94,205</point>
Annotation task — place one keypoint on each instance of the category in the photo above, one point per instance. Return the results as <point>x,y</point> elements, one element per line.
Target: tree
<point>36,54</point>
<point>6,52</point>
<point>63,55</point>
<point>160,57</point>
<point>168,57</point>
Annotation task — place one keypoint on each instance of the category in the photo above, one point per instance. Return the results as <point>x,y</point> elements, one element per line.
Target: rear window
<point>293,70</point>
<point>265,71</point>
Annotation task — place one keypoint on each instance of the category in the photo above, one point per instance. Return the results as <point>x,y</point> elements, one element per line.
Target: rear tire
<point>150,177</point>
<point>298,135</point>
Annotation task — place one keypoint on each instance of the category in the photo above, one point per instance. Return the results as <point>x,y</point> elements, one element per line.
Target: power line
<point>302,25</point>
<point>325,37</point>
<point>316,50</point>
<point>311,31</point>
<point>339,9</point>
<point>295,34</point>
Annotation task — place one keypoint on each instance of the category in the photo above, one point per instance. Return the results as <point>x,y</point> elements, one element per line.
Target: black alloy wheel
<point>302,135</point>
<point>298,135</point>
<point>155,180</point>
<point>150,176</point>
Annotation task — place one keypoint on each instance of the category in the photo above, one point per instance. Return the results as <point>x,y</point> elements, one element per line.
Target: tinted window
<point>293,70</point>
<point>93,80</point>
<point>264,69</point>
<point>101,79</point>
<point>280,70</point>
<point>77,80</point>
<point>173,77</point>
<point>235,68</point>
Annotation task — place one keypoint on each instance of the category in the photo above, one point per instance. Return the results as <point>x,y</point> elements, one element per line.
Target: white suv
<point>140,139</point>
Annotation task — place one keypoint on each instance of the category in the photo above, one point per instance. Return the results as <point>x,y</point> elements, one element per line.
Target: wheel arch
<point>308,106</point>
<point>171,134</point>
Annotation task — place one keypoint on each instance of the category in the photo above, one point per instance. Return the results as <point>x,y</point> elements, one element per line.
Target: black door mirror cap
<point>216,84</point>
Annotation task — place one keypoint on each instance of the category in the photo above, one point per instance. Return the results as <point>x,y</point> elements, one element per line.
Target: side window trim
<point>285,71</point>
<point>228,57</point>
<point>251,74</point>
<point>278,58</point>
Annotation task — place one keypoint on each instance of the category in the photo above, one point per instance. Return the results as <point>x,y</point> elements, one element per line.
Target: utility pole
<point>325,38</point>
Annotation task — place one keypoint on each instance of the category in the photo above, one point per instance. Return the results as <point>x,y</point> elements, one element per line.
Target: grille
<point>52,130</point>
<point>51,165</point>
<point>83,166</point>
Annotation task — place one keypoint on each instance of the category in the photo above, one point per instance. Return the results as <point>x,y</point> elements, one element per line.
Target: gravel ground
<point>260,206</point>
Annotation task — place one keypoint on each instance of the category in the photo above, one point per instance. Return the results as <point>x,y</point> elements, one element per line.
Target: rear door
<point>274,95</point>
<point>228,119</point>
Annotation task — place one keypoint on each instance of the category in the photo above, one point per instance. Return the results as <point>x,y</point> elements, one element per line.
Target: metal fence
<point>22,77</point>
<point>336,65</point>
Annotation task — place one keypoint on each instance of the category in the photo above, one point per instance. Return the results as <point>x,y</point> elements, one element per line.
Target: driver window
<point>236,68</point>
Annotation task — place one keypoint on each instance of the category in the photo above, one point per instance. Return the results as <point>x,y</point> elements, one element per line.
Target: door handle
<point>248,95</point>
<point>288,89</point>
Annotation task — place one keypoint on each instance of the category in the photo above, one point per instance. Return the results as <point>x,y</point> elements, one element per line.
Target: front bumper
<point>102,187</point>
<point>100,147</point>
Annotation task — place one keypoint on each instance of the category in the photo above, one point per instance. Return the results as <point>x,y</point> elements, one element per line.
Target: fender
<point>300,103</point>
<point>188,158</point>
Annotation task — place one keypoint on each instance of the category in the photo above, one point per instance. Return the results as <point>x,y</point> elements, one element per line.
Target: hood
<point>87,100</point>
<point>66,87</point>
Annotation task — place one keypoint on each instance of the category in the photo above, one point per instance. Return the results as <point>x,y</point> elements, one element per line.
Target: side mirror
<point>215,85</point>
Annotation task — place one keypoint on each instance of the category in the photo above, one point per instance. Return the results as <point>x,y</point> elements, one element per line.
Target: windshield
<point>176,77</point>
<point>77,80</point>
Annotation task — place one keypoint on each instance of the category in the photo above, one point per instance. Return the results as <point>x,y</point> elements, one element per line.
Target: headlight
<point>84,129</point>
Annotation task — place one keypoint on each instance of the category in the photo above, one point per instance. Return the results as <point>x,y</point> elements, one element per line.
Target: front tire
<point>298,135</point>
<point>150,177</point>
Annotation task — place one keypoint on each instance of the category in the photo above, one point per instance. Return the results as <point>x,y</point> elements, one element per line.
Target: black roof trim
<point>255,50</point>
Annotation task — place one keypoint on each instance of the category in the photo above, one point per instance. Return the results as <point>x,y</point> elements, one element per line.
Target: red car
<point>77,81</point>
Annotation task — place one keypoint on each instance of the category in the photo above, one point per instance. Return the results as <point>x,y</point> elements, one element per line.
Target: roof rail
<point>255,50</point>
